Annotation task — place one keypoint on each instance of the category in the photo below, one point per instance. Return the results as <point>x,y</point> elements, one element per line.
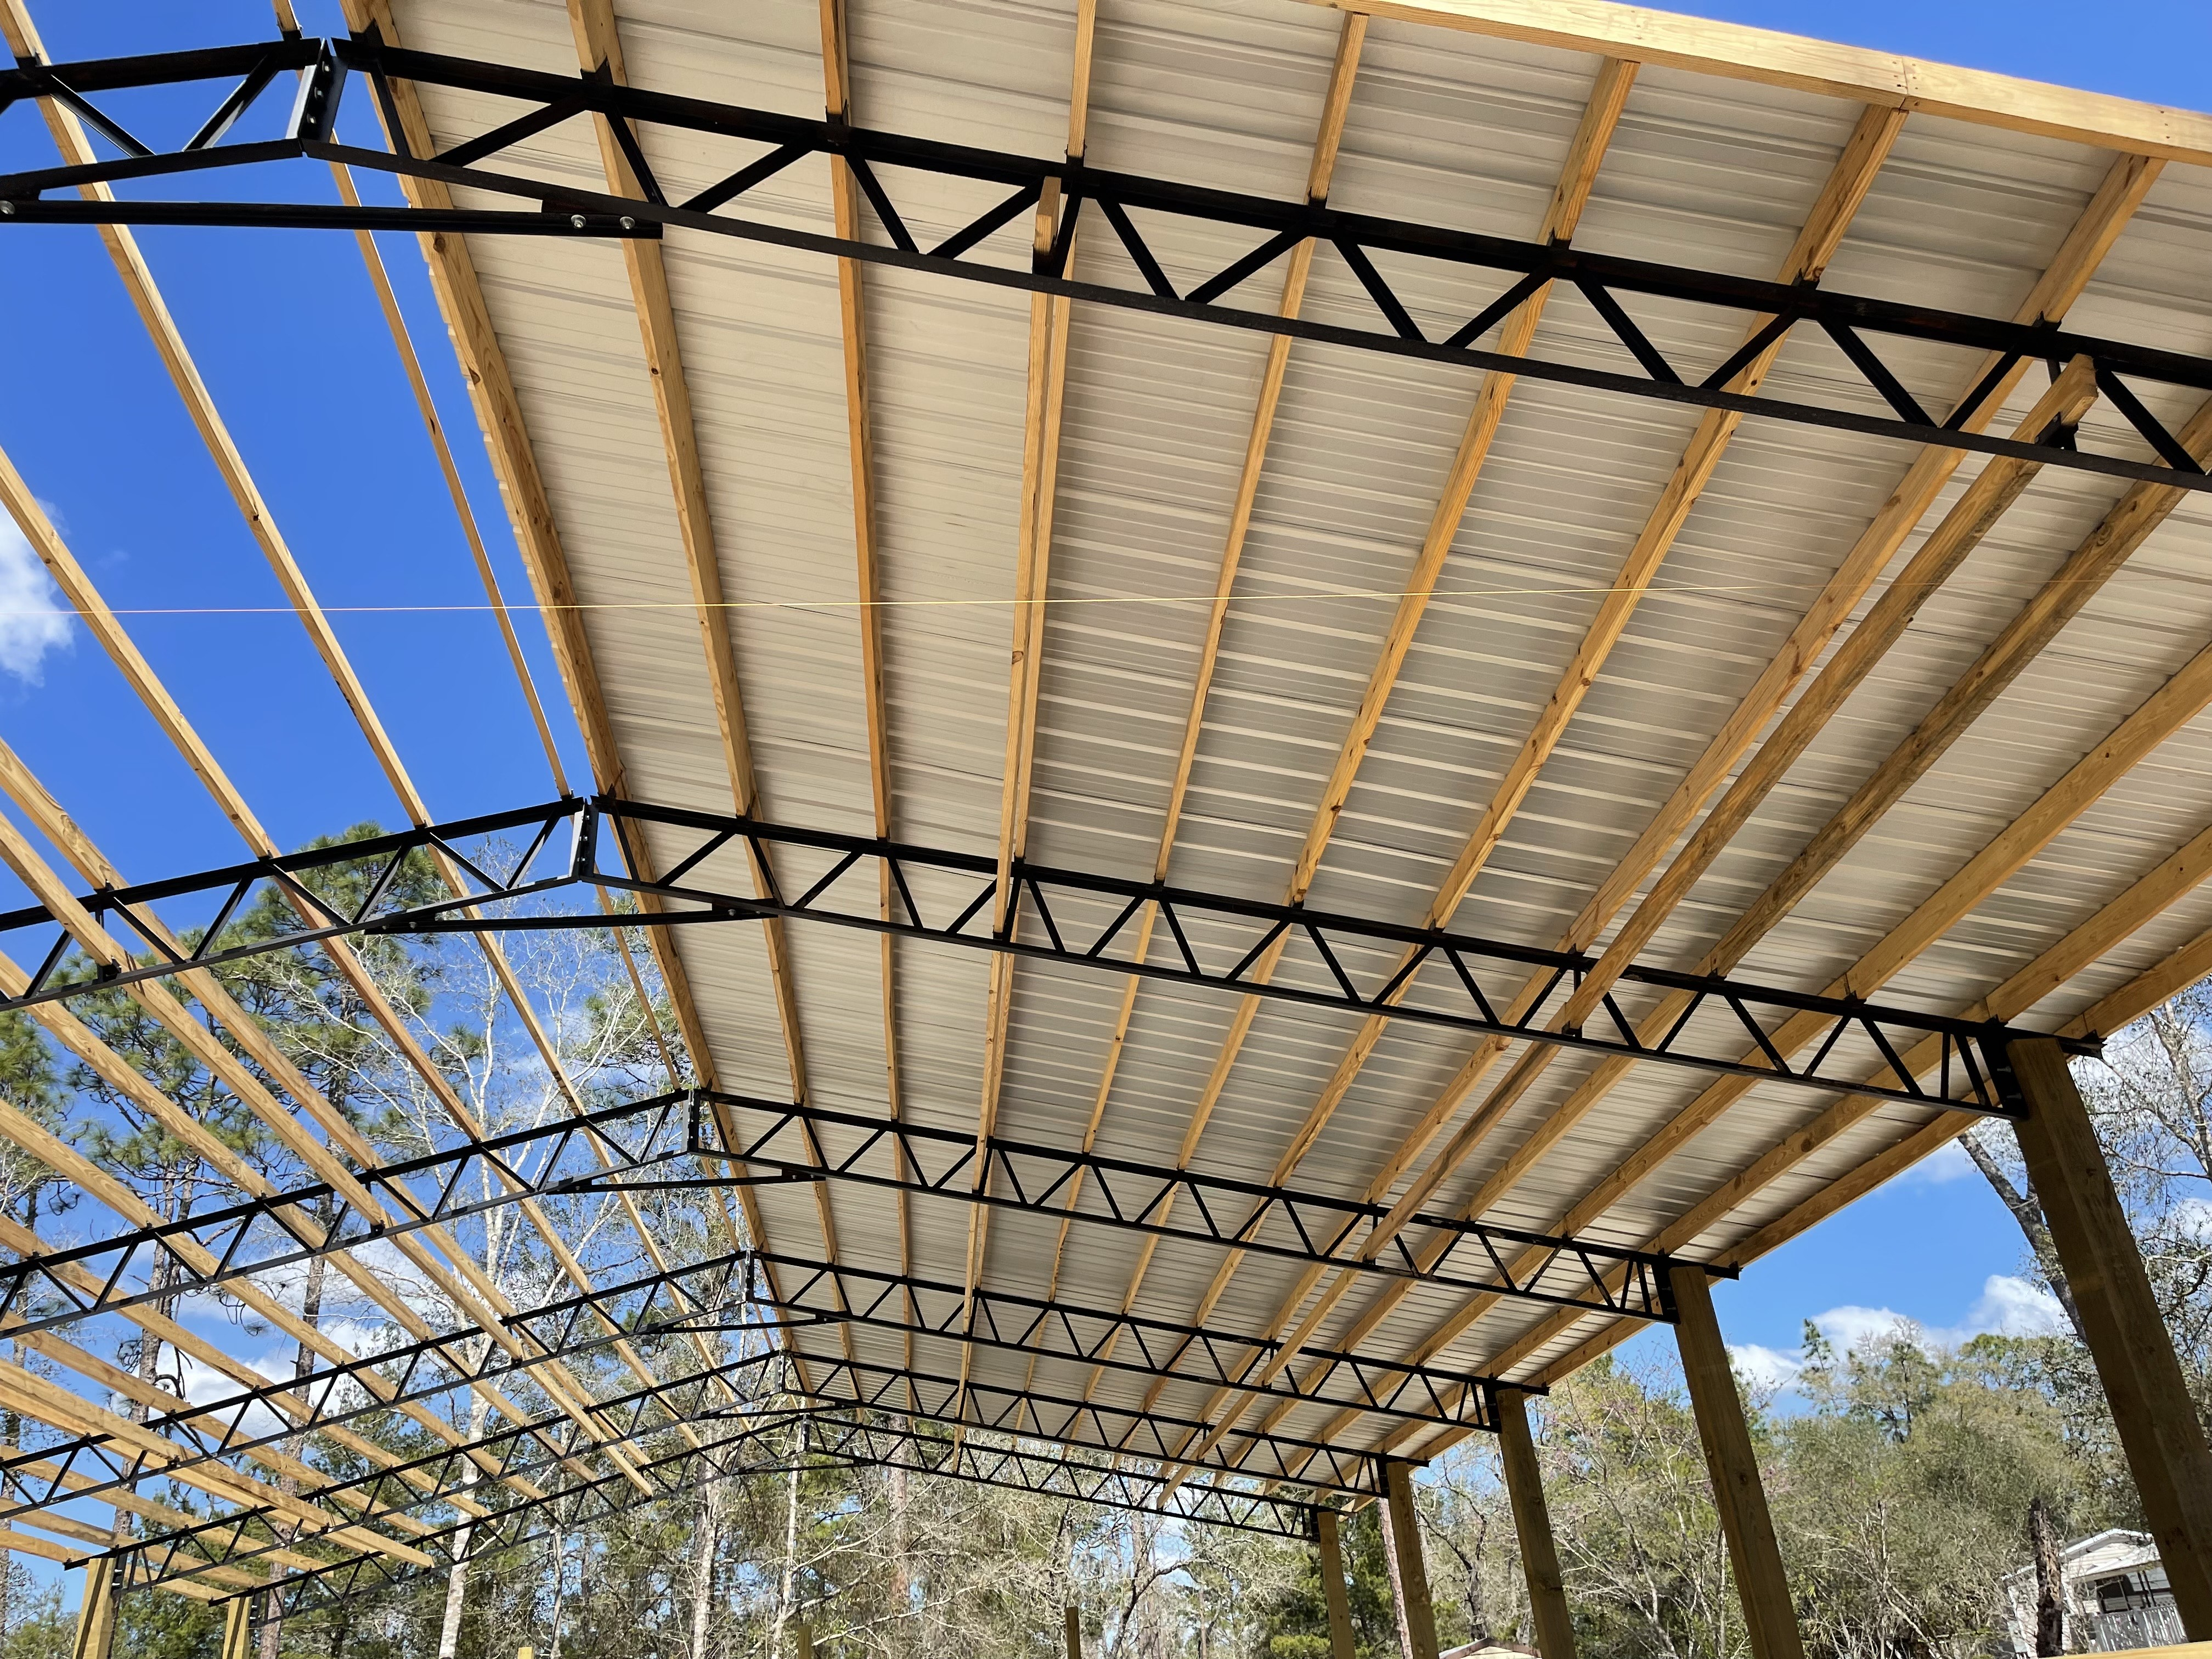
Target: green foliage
<point>167,1628</point>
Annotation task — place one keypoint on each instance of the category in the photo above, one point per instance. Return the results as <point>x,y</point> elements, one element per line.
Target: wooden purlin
<point>2095,561</point>
<point>168,341</point>
<point>1045,402</point>
<point>477,1298</point>
<point>852,322</point>
<point>92,609</point>
<point>2172,973</point>
<point>1321,170</point>
<point>2062,282</point>
<point>47,1402</point>
<point>27,1243</point>
<point>461,298</point>
<point>2182,696</point>
<point>2083,248</point>
<point>598,51</point>
<point>1976,512</point>
<point>1571,194</point>
<point>1860,75</point>
<point>1849,179</point>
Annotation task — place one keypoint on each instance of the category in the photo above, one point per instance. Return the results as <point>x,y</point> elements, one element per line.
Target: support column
<point>1328,1546</point>
<point>1770,1617</point>
<point>95,1616</point>
<point>238,1628</point>
<point>2135,1359</point>
<point>1417,1619</point>
<point>1532,1525</point>
<point>1074,1632</point>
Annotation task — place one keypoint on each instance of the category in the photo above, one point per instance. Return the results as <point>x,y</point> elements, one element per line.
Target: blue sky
<point>284,328</point>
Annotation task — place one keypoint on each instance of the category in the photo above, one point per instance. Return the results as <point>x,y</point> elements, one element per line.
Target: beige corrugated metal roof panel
<point>1462,115</point>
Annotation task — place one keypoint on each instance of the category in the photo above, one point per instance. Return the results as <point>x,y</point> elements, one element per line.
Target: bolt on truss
<point>1349,964</point>
<point>1421,258</point>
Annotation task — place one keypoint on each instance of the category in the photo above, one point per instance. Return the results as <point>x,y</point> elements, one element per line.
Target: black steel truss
<point>993,244</point>
<point>728,1295</point>
<point>673,1470</point>
<point>663,1311</point>
<point>1179,1204</point>
<point>833,1440</point>
<point>639,1141</point>
<point>1343,963</point>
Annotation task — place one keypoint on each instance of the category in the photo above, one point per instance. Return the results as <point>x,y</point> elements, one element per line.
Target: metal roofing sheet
<point>1460,130</point>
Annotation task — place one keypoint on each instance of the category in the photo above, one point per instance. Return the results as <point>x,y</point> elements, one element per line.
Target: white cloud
<point>1764,1368</point>
<point>2192,1219</point>
<point>1947,1164</point>
<point>2008,1306</point>
<point>32,619</point>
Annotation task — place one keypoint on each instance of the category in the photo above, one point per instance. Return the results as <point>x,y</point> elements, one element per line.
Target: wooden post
<point>2135,1359</point>
<point>1532,1524</point>
<point>803,1640</point>
<point>95,1616</point>
<point>238,1628</point>
<point>1329,1547</point>
<point>1770,1617</point>
<point>1416,1618</point>
<point>1074,1620</point>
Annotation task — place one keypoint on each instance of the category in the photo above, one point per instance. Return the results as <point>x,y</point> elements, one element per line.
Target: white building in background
<point>2116,1598</point>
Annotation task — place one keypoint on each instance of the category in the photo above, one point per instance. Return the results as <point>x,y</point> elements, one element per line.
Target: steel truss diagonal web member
<point>1344,963</point>
<point>1008,187</point>
<point>760,1443</point>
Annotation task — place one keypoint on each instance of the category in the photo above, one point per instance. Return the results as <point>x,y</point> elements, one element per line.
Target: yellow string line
<point>1654,590</point>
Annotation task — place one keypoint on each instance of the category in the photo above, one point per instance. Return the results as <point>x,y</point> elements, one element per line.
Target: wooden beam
<point>598,51</point>
<point>2092,236</point>
<point>1770,1616</point>
<point>1072,1623</point>
<point>170,343</point>
<point>2165,712</point>
<point>1336,104</point>
<point>1329,1547</point>
<point>2158,718</point>
<point>1860,75</point>
<point>1409,1573</point>
<point>480,1300</point>
<point>1578,176</point>
<point>852,320</point>
<point>1050,320</point>
<point>2126,1334</point>
<point>1571,193</point>
<point>131,1503</point>
<point>1849,180</point>
<point>498,408</point>
<point>2094,562</point>
<point>47,1402</point>
<point>2083,248</point>
<point>1532,1527</point>
<point>27,1245</point>
<point>1971,517</point>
